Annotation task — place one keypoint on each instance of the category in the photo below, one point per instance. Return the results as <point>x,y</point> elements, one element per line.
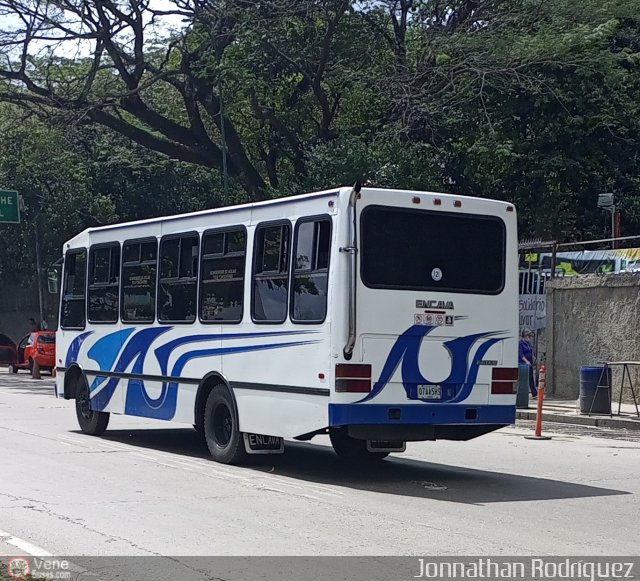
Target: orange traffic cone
<point>541,387</point>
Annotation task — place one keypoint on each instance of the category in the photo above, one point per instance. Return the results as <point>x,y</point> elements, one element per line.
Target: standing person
<point>526,357</point>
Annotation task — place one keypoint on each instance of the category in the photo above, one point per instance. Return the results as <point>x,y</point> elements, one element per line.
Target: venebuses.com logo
<point>18,568</point>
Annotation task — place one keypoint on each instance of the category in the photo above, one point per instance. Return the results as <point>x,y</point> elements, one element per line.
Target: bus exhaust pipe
<point>353,252</point>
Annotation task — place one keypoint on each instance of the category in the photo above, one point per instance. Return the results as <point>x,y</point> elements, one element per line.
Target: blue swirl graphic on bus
<point>464,371</point>
<point>74,348</point>
<point>133,348</point>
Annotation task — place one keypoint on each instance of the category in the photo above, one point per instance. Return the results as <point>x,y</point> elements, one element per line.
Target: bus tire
<point>224,439</point>
<point>350,448</point>
<point>91,422</point>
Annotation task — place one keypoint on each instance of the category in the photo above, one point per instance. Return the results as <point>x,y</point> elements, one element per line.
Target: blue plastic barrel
<point>592,399</point>
<point>522,397</point>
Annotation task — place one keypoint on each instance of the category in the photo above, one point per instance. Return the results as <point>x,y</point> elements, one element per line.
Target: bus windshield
<point>432,251</point>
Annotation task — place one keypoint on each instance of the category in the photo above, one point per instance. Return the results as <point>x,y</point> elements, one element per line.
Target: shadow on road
<point>28,386</point>
<point>395,475</point>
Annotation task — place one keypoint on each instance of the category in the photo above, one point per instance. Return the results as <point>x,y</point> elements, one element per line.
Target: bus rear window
<point>432,251</point>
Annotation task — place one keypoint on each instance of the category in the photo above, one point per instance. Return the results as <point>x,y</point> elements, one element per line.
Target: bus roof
<point>209,211</point>
<point>285,200</point>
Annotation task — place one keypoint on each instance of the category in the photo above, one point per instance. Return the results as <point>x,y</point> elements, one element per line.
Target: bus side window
<point>104,279</point>
<point>73,314</point>
<point>139,266</point>
<point>312,246</point>
<point>178,281</point>
<point>222,275</point>
<point>270,291</point>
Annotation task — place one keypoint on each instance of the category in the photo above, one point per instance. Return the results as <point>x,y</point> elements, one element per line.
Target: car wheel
<point>350,448</point>
<point>224,439</point>
<point>91,422</point>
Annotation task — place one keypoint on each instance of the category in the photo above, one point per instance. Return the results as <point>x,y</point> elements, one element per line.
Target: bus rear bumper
<point>420,422</point>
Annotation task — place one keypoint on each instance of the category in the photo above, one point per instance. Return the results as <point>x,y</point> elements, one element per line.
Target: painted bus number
<point>429,392</point>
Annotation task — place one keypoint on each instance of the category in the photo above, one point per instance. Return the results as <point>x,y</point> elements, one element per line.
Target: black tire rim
<point>84,404</point>
<point>222,425</point>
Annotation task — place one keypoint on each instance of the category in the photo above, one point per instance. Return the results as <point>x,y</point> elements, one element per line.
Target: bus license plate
<point>429,392</point>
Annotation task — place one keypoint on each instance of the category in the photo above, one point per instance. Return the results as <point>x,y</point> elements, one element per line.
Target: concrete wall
<point>591,319</point>
<point>18,304</point>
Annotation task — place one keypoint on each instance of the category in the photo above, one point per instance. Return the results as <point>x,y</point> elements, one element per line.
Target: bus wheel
<point>91,422</point>
<point>224,440</point>
<point>350,448</point>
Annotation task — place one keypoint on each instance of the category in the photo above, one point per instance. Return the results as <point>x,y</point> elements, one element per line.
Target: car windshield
<point>51,339</point>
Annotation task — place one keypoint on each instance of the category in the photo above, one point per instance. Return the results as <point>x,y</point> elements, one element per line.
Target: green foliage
<point>524,100</point>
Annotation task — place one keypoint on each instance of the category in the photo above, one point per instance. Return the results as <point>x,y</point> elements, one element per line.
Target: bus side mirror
<point>52,281</point>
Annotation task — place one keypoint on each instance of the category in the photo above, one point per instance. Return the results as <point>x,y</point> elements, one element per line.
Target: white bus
<point>375,316</point>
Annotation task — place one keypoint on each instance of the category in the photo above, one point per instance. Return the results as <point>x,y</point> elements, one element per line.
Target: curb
<point>599,421</point>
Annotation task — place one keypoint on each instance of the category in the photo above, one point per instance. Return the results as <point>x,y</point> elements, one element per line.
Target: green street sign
<point>9,206</point>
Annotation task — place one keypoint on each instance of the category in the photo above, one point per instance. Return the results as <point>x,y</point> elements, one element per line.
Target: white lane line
<point>112,446</point>
<point>145,456</point>
<point>75,441</point>
<point>23,545</point>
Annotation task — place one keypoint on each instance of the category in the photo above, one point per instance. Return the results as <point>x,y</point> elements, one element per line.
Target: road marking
<point>23,545</point>
<point>112,446</point>
<point>72,440</point>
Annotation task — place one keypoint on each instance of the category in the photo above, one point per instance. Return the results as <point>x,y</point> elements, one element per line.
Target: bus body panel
<point>279,373</point>
<point>283,375</point>
<point>468,334</point>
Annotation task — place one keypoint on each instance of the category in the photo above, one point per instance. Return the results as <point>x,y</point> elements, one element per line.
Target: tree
<point>525,100</point>
<point>164,89</point>
<point>73,178</point>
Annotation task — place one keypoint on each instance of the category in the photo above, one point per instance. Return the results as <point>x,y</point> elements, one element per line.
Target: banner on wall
<point>585,261</point>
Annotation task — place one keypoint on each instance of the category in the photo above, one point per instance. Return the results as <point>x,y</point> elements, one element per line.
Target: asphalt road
<point>148,488</point>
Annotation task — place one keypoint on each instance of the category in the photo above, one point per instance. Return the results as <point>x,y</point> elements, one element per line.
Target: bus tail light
<point>353,378</point>
<point>504,380</point>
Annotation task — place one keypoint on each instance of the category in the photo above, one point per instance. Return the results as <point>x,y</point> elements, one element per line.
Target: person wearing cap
<point>525,350</point>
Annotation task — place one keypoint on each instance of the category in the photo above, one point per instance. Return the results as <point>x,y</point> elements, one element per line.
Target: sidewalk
<point>568,412</point>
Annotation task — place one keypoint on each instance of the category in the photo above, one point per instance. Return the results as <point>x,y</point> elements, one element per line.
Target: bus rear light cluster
<point>353,378</point>
<point>457,204</point>
<point>504,380</point>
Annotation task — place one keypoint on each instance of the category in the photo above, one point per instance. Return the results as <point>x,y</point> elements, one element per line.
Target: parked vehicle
<point>7,351</point>
<point>39,346</point>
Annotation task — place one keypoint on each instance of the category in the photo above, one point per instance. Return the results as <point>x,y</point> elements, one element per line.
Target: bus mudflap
<point>261,444</point>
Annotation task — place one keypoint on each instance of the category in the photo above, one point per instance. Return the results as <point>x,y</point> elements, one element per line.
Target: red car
<point>39,346</point>
<point>8,353</point>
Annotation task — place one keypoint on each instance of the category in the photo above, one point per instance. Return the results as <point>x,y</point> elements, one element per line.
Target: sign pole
<point>38,272</point>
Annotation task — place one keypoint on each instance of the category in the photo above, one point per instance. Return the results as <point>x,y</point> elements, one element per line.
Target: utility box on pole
<point>607,202</point>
